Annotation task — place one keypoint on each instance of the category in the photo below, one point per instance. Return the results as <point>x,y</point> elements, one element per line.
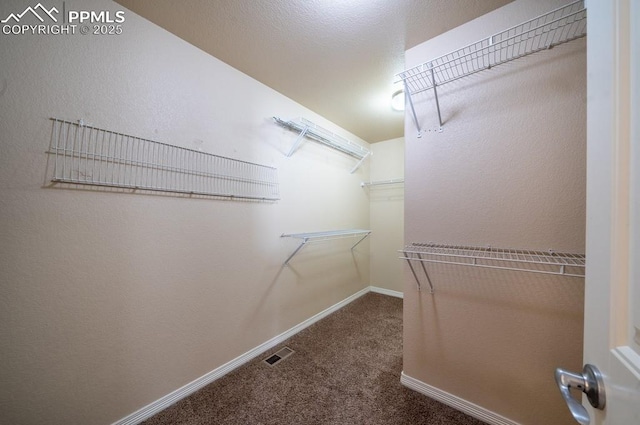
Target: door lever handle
<point>589,382</point>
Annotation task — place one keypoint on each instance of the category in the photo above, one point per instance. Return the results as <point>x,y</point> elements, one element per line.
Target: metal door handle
<point>589,382</point>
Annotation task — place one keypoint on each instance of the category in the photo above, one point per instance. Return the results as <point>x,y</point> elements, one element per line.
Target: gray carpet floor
<point>345,371</point>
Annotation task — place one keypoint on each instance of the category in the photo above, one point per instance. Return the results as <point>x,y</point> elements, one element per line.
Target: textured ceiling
<point>336,57</point>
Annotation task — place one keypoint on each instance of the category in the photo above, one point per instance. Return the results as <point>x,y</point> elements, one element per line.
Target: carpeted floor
<point>345,370</point>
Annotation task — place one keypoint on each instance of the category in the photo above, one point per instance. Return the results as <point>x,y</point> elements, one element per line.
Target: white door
<point>612,296</point>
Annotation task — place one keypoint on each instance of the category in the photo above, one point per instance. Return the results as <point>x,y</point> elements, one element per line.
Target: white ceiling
<point>336,57</point>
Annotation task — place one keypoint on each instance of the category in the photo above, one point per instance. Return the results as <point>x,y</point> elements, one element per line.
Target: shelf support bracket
<point>298,141</point>
<point>415,275</point>
<point>435,92</point>
<point>424,268</point>
<point>408,100</point>
<point>304,242</point>
<point>353,170</point>
<point>360,240</point>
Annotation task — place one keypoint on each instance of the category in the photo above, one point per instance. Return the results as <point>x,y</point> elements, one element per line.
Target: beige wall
<point>507,171</point>
<point>387,214</point>
<point>109,301</point>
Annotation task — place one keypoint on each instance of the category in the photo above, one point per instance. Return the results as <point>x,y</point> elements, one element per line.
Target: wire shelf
<point>325,236</point>
<point>314,132</point>
<point>559,26</point>
<point>546,262</point>
<point>381,182</point>
<point>93,156</point>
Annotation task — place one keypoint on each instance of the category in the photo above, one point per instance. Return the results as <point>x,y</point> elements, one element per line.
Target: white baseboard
<point>456,402</point>
<point>385,291</point>
<point>166,401</point>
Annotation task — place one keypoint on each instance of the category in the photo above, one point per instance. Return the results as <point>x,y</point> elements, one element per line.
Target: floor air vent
<point>281,354</point>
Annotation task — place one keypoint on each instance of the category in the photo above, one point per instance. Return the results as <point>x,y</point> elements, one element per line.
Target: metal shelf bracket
<point>415,275</point>
<point>409,101</point>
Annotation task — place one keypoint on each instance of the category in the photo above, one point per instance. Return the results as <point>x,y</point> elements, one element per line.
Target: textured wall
<point>507,171</point>
<point>387,214</point>
<point>112,300</point>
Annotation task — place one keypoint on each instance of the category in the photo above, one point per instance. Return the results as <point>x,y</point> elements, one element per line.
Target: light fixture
<point>397,100</point>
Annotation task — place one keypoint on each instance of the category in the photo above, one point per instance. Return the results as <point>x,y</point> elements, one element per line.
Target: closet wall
<point>387,214</point>
<point>112,300</point>
<point>508,170</point>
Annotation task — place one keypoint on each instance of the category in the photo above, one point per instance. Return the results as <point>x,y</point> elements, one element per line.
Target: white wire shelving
<point>559,26</point>
<point>88,155</point>
<point>382,182</point>
<point>326,236</point>
<point>546,262</point>
<point>308,129</point>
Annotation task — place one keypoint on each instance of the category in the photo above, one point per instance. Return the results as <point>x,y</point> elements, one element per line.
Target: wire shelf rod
<point>559,26</point>
<point>160,189</point>
<point>560,272</point>
<point>381,182</point>
<point>325,236</point>
<point>80,124</point>
<point>466,59</point>
<point>312,131</point>
<point>465,55</point>
<point>132,163</point>
<point>89,155</point>
<point>500,254</point>
<point>331,234</point>
<point>533,261</point>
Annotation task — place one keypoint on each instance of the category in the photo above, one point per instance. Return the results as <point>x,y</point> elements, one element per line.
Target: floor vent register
<point>278,356</point>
